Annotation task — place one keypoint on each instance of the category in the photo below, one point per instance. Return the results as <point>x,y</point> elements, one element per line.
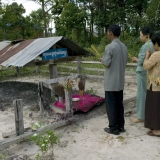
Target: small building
<point>23,53</point>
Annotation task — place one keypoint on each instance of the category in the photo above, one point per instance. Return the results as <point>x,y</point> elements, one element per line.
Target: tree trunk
<point>44,19</point>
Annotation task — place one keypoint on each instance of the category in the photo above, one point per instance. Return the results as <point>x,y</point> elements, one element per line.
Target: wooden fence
<point>91,69</point>
<point>94,71</point>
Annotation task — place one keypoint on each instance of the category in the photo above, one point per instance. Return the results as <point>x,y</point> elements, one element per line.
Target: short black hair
<point>146,30</point>
<point>156,38</point>
<point>115,29</point>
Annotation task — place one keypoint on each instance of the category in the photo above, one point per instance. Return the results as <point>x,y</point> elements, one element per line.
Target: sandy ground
<point>85,139</point>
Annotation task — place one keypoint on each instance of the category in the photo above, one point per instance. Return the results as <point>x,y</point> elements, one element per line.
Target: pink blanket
<point>84,103</point>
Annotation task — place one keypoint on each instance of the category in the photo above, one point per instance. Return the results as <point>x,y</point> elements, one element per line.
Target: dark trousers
<point>115,109</point>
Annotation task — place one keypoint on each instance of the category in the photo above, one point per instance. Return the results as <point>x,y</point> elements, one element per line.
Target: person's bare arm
<point>102,63</point>
<point>149,61</point>
<point>148,54</point>
<point>134,59</point>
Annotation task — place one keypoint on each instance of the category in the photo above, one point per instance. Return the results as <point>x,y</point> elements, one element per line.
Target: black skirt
<point>152,110</point>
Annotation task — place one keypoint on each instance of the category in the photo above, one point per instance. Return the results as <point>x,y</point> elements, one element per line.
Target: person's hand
<point>134,59</point>
<point>148,54</point>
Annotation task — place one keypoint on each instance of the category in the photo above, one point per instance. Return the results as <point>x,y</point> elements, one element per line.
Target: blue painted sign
<point>54,54</point>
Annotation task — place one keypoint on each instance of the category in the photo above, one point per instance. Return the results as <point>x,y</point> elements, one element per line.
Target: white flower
<point>35,135</point>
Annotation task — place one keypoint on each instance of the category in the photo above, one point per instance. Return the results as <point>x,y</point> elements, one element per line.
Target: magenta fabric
<point>84,103</point>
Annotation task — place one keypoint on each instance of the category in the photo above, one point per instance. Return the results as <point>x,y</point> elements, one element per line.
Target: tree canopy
<point>84,21</point>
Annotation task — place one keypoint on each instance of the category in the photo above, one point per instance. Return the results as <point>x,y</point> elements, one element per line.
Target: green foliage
<point>152,17</point>
<point>69,25</point>
<point>3,156</point>
<point>38,157</point>
<point>133,44</point>
<point>120,138</point>
<point>12,21</point>
<point>4,73</point>
<point>45,142</point>
<point>30,71</point>
<point>91,91</point>
<point>83,21</point>
<point>36,125</point>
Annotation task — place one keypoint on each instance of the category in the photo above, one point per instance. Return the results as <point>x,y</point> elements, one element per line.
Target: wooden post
<point>15,140</point>
<point>53,74</point>
<point>53,71</point>
<point>37,69</point>
<point>18,71</point>
<point>40,96</point>
<point>79,65</point>
<point>68,101</point>
<point>83,80</point>
<point>18,116</point>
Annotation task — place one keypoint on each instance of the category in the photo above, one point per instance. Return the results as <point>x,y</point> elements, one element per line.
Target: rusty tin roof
<point>21,53</point>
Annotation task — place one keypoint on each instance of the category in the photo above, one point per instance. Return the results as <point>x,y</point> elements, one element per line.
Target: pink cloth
<point>84,103</point>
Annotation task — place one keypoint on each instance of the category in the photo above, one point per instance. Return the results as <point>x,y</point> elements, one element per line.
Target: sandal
<point>150,133</point>
<point>136,120</point>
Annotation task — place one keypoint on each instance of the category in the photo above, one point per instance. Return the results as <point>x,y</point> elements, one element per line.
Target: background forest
<point>83,21</point>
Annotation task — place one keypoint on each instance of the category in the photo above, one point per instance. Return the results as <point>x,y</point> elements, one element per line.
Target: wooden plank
<point>18,71</point>
<point>40,97</point>
<point>48,62</point>
<point>10,141</point>
<point>19,124</point>
<point>91,62</point>
<point>129,100</point>
<point>47,86</point>
<point>53,71</point>
<point>33,63</point>
<point>94,69</point>
<point>131,64</point>
<point>87,69</point>
<point>130,73</point>
<point>68,101</point>
<point>93,77</point>
<point>60,60</point>
<point>69,67</point>
<point>97,62</point>
<point>12,133</point>
<point>97,70</point>
<point>129,111</point>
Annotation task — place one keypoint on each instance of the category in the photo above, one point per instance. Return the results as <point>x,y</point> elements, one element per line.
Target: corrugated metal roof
<point>73,48</point>
<point>3,44</point>
<point>31,51</point>
<point>24,52</point>
<point>12,49</point>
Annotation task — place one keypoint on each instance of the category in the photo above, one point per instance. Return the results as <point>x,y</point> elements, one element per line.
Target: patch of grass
<point>91,91</point>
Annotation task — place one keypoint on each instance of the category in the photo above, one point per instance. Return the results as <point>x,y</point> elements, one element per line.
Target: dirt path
<point>85,139</point>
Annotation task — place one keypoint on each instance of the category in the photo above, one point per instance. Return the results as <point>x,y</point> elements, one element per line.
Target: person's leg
<point>111,108</point>
<point>141,94</point>
<point>152,110</point>
<point>120,110</point>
